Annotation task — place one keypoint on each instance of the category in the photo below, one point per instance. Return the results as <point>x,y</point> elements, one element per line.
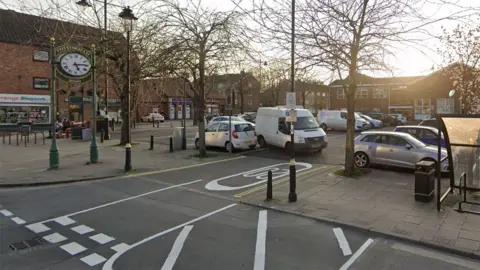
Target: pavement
<point>171,220</point>
<point>179,212</point>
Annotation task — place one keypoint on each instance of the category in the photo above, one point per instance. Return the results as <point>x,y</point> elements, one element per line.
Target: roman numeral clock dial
<point>75,64</point>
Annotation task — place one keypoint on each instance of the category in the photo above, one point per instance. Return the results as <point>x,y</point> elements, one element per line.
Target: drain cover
<point>27,244</point>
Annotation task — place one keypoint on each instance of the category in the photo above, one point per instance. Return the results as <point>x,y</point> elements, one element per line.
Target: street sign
<point>228,102</point>
<point>291,100</point>
<point>291,116</point>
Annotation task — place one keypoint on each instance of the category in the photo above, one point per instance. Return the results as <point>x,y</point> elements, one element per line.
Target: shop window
<point>361,93</point>
<point>41,83</point>
<point>340,94</point>
<point>16,114</point>
<point>379,93</point>
<point>422,109</point>
<point>445,105</point>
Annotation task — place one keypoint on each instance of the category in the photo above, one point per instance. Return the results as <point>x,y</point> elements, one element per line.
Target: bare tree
<point>204,40</point>
<point>346,37</point>
<point>460,51</point>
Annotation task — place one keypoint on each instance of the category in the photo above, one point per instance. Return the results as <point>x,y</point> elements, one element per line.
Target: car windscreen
<point>243,127</point>
<point>305,122</point>
<point>367,117</point>
<point>416,142</point>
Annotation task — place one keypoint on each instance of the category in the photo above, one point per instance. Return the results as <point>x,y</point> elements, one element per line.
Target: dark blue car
<point>426,134</point>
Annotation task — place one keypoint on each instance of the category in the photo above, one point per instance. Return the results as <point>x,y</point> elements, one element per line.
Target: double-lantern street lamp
<point>128,19</point>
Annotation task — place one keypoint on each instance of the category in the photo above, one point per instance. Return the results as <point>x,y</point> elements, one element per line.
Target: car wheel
<point>262,142</point>
<point>197,143</point>
<point>251,147</point>
<point>228,145</point>
<point>324,127</point>
<point>361,159</point>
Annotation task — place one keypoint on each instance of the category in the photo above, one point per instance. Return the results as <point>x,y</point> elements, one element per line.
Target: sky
<point>408,61</point>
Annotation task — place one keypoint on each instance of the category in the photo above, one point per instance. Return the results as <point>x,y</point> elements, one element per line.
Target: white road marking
<point>120,247</point>
<point>41,170</point>
<point>55,238</point>
<point>18,169</point>
<point>73,248</point>
<point>101,238</point>
<point>177,248</point>
<point>357,254</point>
<point>260,173</point>
<point>342,241</point>
<point>6,213</point>
<point>109,264</point>
<point>122,200</point>
<point>37,227</point>
<point>93,259</point>
<point>65,221</point>
<point>260,252</point>
<point>438,256</point>
<point>18,220</point>
<point>82,229</point>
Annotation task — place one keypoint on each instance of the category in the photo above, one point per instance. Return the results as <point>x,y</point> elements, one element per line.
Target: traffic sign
<point>291,116</point>
<point>228,102</point>
<point>291,100</point>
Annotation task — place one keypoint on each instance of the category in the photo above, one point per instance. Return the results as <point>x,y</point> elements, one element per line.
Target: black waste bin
<point>424,181</point>
<point>76,132</point>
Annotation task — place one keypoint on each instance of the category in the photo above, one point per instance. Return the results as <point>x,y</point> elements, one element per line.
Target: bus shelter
<point>461,133</point>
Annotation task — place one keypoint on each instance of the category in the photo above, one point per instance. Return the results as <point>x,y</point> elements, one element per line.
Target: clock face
<point>75,64</point>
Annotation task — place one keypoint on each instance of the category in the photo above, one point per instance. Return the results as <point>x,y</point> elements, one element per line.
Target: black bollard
<point>171,145</point>
<point>269,186</point>
<point>101,135</point>
<point>17,139</point>
<point>153,121</point>
<point>128,157</point>
<point>151,142</point>
<point>25,140</point>
<point>35,136</point>
<point>10,138</point>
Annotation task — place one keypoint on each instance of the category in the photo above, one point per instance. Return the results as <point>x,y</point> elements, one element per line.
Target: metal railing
<point>464,197</point>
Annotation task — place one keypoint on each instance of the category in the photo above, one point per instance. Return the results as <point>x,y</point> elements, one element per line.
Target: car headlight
<point>325,138</point>
<point>301,140</point>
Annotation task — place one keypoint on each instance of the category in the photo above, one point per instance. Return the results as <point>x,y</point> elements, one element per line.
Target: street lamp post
<point>84,3</point>
<point>128,18</point>
<point>184,114</point>
<point>93,144</point>
<point>292,195</point>
<point>54,158</point>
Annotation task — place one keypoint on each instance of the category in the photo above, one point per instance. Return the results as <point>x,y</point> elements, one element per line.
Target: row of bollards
<point>152,143</point>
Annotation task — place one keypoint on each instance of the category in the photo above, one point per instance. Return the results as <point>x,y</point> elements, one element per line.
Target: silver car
<point>395,149</point>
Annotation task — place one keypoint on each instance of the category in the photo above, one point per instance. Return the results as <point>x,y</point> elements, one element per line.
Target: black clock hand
<point>76,65</point>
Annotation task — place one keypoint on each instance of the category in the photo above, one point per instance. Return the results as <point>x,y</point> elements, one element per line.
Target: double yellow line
<point>255,189</point>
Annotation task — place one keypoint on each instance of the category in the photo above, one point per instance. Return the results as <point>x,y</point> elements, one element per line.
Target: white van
<point>337,120</point>
<point>272,130</point>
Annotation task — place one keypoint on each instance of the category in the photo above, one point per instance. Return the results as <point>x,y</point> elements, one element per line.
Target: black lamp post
<point>128,18</point>
<point>292,195</point>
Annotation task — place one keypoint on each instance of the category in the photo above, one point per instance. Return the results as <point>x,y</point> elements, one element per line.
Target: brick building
<point>25,70</point>
<point>417,97</point>
<point>312,96</point>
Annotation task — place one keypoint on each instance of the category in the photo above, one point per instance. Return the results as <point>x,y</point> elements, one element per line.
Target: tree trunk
<point>241,100</point>
<point>195,112</point>
<point>304,95</point>
<point>349,145</point>
<point>201,100</point>
<point>200,117</point>
<point>124,130</point>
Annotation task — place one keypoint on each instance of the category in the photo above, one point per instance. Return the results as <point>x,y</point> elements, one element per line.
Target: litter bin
<point>424,181</point>
<point>76,133</point>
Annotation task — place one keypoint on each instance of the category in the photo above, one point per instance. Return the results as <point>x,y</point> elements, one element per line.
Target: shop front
<point>176,108</point>
<point>17,108</point>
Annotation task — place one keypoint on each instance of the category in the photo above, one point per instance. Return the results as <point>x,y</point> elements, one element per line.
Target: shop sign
<point>179,100</point>
<point>14,98</point>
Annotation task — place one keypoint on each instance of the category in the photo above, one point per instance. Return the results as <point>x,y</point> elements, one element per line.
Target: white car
<point>337,120</point>
<point>152,116</point>
<point>225,118</point>
<point>400,117</point>
<point>217,135</point>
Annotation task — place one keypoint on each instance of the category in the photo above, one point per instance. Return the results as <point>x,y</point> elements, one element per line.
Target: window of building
<point>445,105</point>
<point>379,93</point>
<point>361,93</point>
<point>250,102</point>
<point>250,93</point>
<point>340,94</point>
<point>423,109</point>
<point>249,85</point>
<point>14,114</point>
<point>41,83</point>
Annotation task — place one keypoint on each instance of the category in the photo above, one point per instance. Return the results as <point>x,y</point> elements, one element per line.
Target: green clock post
<point>93,145</point>
<point>54,159</point>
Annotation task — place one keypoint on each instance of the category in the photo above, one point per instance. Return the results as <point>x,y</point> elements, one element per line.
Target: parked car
<point>249,116</point>
<point>152,116</point>
<point>395,149</point>
<point>273,130</point>
<point>386,120</point>
<point>225,118</point>
<point>374,123</point>
<point>400,117</point>
<point>429,123</point>
<point>427,135</point>
<point>217,135</point>
<point>337,120</point>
